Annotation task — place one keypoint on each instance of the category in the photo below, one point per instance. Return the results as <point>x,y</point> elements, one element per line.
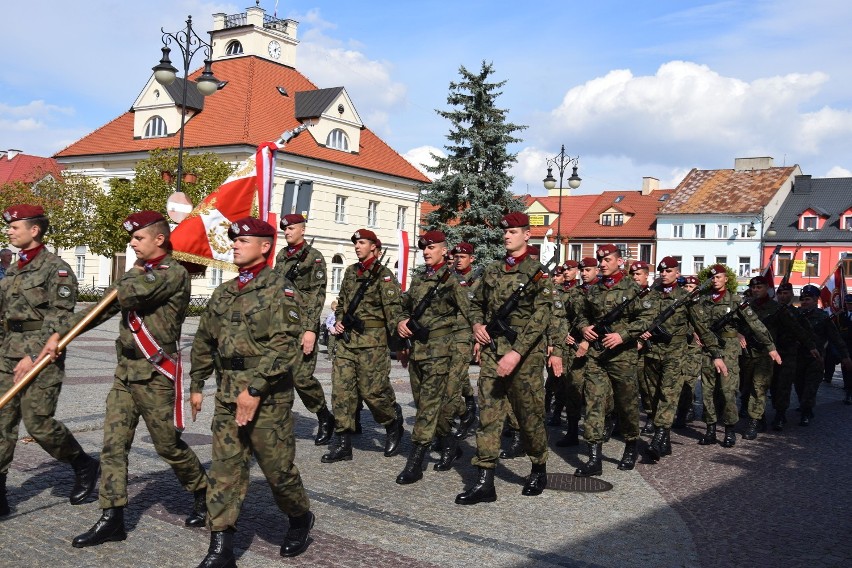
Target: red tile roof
<point>26,168</point>
<point>249,110</point>
<point>573,209</point>
<point>641,225</point>
<point>727,191</point>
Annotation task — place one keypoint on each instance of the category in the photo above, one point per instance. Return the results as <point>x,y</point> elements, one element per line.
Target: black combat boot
<point>730,438</point>
<point>450,452</point>
<point>667,442</point>
<point>593,466</point>
<point>4,504</point>
<point>556,417</point>
<point>296,539</point>
<point>468,419</point>
<point>198,516</point>
<point>516,447</point>
<point>220,553</point>
<point>109,528</point>
<point>325,428</point>
<point>680,418</point>
<point>628,458</point>
<point>482,492</point>
<point>648,428</point>
<point>709,438</point>
<point>761,424</point>
<point>655,448</point>
<point>572,434</point>
<point>413,470</point>
<point>751,430</point>
<point>536,480</point>
<point>779,420</point>
<point>340,449</point>
<point>610,425</point>
<point>807,414</point>
<point>394,432</point>
<point>86,470</point>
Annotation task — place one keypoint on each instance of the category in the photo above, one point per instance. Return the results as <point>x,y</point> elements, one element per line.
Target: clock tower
<point>254,33</point>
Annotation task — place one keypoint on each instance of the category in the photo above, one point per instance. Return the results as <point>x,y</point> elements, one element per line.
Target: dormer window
<point>155,128</point>
<point>234,48</point>
<point>606,219</point>
<point>809,222</point>
<point>618,219</point>
<point>847,223</point>
<point>338,140</point>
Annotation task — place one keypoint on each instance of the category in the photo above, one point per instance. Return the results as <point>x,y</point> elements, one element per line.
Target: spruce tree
<point>471,189</point>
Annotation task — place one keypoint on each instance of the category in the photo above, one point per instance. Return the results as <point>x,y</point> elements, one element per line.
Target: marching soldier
<point>557,340</point>
<point>463,257</point>
<point>36,296</point>
<point>691,367</point>
<point>430,358</point>
<point>788,348</point>
<point>362,363</point>
<point>611,366</point>
<point>511,373</point>
<point>639,272</point>
<point>810,371</point>
<point>304,266</point>
<point>252,326</point>
<point>569,394</point>
<point>152,299</point>
<point>723,386</point>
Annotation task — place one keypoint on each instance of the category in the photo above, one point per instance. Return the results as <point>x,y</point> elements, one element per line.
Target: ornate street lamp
<point>188,43</point>
<point>561,162</point>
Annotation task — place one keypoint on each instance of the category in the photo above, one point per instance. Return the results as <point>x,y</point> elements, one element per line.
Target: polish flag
<point>833,292</point>
<point>402,266</point>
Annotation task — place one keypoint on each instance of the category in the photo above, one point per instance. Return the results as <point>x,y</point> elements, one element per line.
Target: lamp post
<point>188,43</point>
<point>770,232</point>
<point>560,161</point>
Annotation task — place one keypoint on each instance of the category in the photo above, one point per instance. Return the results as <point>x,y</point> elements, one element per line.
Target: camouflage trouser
<point>36,405</point>
<point>809,372</point>
<point>429,386</point>
<point>691,366</point>
<point>646,391</point>
<point>272,442</point>
<point>570,390</point>
<point>756,371</point>
<point>667,374</point>
<point>606,381</point>
<point>458,385</point>
<point>650,382</point>
<point>719,388</point>
<point>364,373</point>
<point>783,376</point>
<point>523,392</point>
<point>307,385</point>
<point>153,400</point>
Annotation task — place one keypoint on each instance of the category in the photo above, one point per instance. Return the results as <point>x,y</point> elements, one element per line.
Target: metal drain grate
<point>569,482</point>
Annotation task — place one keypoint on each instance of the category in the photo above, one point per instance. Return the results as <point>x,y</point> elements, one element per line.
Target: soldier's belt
<point>240,363</point>
<point>441,332</point>
<point>19,325</point>
<point>728,334</point>
<point>134,353</point>
<point>373,324</point>
<point>517,322</point>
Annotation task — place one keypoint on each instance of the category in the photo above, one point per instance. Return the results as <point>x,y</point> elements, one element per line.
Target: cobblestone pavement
<point>780,500</point>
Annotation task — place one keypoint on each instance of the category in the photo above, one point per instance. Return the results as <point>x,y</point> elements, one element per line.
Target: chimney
<point>748,164</point>
<point>11,154</point>
<point>649,184</point>
<point>802,184</point>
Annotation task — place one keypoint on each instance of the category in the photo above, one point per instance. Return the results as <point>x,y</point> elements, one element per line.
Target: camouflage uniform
<point>458,385</point>
<point>254,333</point>
<point>810,371</point>
<point>569,392</point>
<point>612,372</point>
<point>523,390</point>
<point>310,281</point>
<point>362,366</point>
<point>430,360</point>
<point>35,300</point>
<point>714,385</point>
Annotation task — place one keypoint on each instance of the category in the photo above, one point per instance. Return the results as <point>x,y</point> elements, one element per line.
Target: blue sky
<point>634,88</point>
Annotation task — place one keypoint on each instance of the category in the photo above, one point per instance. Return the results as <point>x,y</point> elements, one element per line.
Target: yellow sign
<point>536,220</point>
<point>799,266</point>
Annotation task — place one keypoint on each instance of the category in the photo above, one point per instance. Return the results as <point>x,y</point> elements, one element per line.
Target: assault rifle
<point>659,333</point>
<point>418,331</point>
<point>720,324</point>
<point>294,270</point>
<point>603,326</point>
<point>499,326</point>
<point>350,320</point>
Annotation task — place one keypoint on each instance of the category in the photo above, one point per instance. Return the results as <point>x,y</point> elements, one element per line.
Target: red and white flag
<point>402,266</point>
<point>833,292</point>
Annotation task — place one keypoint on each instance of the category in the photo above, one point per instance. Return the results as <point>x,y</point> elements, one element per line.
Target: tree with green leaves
<point>148,190</point>
<point>471,187</point>
<point>732,277</point>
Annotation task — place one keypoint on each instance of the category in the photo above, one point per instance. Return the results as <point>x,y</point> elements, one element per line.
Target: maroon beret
<point>463,248</point>
<point>559,270</point>
<point>140,220</point>
<point>668,262</point>
<point>691,280</point>
<point>718,269</point>
<point>534,250</point>
<point>431,238</point>
<point>514,220</point>
<point>588,262</point>
<point>378,243</point>
<point>250,227</point>
<point>809,290</point>
<point>605,250</point>
<point>365,234</point>
<point>785,286</point>
<point>291,219</point>
<point>21,212</point>
<point>638,265</point>
<point>569,264</point>
<point>758,280</point>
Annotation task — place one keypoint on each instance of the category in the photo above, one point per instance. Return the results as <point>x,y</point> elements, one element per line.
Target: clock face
<point>274,49</point>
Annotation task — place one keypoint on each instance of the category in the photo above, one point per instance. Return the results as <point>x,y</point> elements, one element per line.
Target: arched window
<point>155,127</point>
<point>336,272</point>
<point>338,140</point>
<point>234,48</point>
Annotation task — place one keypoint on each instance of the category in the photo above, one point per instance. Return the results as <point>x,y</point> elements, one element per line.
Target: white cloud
<point>423,155</point>
<point>838,171</point>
